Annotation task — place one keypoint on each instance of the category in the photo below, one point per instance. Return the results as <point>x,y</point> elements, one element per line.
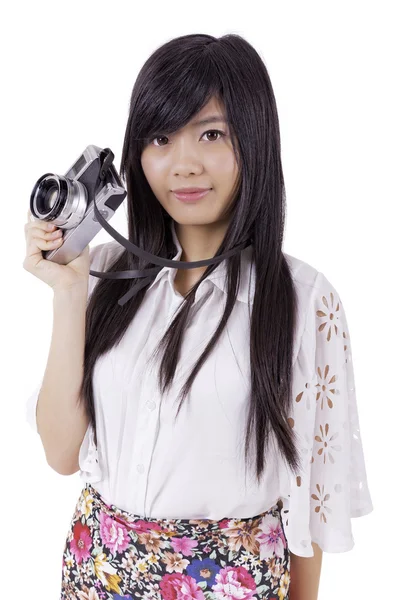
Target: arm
<point>304,575</point>
<point>61,421</point>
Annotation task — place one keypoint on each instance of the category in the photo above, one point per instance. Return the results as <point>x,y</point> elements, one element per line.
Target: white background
<point>67,70</point>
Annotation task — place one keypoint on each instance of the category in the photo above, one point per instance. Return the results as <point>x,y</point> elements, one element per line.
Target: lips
<point>187,196</point>
<point>190,190</point>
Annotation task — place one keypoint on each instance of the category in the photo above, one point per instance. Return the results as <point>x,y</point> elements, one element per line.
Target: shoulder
<point>317,300</point>
<point>309,281</point>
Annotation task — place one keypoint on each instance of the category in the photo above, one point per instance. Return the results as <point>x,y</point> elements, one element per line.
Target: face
<point>199,155</point>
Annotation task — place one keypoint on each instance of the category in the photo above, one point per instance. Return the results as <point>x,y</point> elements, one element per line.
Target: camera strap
<point>106,158</point>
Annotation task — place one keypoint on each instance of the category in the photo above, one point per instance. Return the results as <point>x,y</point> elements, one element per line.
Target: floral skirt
<point>112,554</point>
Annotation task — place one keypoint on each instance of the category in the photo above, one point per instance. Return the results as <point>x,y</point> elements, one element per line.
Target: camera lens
<point>51,196</point>
<point>59,199</point>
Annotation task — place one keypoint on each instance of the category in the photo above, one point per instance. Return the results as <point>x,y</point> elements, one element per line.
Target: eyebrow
<point>211,119</point>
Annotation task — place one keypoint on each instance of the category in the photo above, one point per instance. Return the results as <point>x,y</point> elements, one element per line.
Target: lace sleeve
<point>331,487</point>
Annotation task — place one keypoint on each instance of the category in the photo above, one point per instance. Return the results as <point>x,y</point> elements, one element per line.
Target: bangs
<point>175,94</point>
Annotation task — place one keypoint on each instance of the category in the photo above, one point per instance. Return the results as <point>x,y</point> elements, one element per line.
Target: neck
<point>200,241</point>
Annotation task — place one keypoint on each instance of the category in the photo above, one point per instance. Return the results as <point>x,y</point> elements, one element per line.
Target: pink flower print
<point>183,545</point>
<point>271,538</point>
<point>81,543</point>
<point>144,526</point>
<point>233,583</point>
<point>139,526</point>
<point>113,534</point>
<point>176,586</point>
<point>224,523</point>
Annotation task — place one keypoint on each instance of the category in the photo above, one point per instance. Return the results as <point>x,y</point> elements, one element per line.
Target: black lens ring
<point>41,188</point>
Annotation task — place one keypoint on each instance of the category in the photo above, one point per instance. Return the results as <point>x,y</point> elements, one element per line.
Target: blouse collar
<point>218,276</point>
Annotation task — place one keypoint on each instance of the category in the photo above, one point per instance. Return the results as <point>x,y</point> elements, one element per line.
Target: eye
<point>221,133</point>
<point>159,137</point>
<point>215,131</point>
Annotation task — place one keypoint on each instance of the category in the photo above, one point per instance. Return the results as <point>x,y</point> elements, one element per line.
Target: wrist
<point>76,291</point>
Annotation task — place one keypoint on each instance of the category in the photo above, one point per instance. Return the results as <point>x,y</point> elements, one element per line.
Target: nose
<point>186,160</point>
<point>186,169</point>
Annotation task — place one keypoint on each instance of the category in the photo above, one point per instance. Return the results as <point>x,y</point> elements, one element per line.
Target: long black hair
<point>174,84</point>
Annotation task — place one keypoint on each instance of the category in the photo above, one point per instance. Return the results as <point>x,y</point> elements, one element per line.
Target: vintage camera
<point>68,201</point>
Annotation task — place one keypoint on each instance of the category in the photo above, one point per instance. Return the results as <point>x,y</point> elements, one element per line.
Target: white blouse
<point>150,465</point>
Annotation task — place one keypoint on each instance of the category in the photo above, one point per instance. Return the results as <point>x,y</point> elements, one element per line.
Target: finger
<point>42,234</point>
<point>34,245</point>
<point>40,229</point>
<point>38,223</point>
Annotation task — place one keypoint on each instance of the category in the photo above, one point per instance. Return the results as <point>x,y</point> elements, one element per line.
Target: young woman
<point>213,416</point>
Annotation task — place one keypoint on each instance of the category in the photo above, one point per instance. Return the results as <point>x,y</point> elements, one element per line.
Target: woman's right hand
<point>39,237</point>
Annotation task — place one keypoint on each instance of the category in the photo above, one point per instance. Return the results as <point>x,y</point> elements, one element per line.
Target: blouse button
<point>151,405</point>
<point>140,468</point>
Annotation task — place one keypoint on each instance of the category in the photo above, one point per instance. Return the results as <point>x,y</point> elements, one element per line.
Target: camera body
<point>68,201</point>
